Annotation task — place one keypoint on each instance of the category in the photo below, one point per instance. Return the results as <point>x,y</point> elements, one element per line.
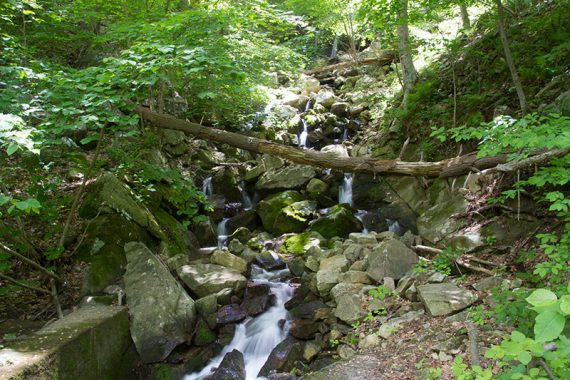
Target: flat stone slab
<point>89,343</point>
<point>444,299</point>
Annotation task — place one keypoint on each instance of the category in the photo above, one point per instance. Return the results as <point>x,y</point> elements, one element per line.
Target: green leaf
<point>12,148</point>
<point>548,325</point>
<point>541,297</point>
<point>517,336</point>
<point>524,357</point>
<point>565,304</point>
<point>4,199</point>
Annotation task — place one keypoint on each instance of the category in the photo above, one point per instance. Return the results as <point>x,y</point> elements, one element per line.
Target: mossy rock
<point>298,244</point>
<point>109,195</point>
<point>203,335</point>
<point>103,249</point>
<point>339,222</point>
<point>295,217</point>
<point>270,207</point>
<point>179,239</point>
<point>225,181</point>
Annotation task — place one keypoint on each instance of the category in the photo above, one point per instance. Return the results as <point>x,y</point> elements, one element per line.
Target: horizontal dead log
<point>453,167</point>
<point>386,58</point>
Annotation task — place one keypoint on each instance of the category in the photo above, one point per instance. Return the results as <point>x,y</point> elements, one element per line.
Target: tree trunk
<point>509,56</point>
<point>465,16</point>
<point>406,59</point>
<point>446,168</point>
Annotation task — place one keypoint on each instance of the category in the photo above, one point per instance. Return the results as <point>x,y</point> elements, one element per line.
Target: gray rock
<point>326,280</point>
<point>232,367</point>
<point>436,223</point>
<point>230,314</point>
<point>371,340</point>
<point>156,330</point>
<point>290,177</point>
<point>335,262</point>
<point>355,277</point>
<point>205,279</point>
<point>391,258</point>
<point>340,109</point>
<point>284,357</point>
<point>229,260</point>
<point>349,308</point>
<point>345,288</point>
<point>444,299</point>
<point>360,238</point>
<point>487,283</point>
<point>346,352</point>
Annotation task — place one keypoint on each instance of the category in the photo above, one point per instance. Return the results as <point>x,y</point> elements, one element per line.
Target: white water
<point>360,215</point>
<point>222,233</point>
<point>395,227</point>
<point>208,187</point>
<point>304,135</point>
<point>256,337</point>
<point>345,190</point>
<point>245,198</point>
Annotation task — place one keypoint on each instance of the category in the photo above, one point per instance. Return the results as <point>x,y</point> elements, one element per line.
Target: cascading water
<point>247,202</point>
<point>304,135</point>
<point>256,337</point>
<point>360,216</point>
<point>345,190</point>
<point>207,187</point>
<point>223,233</point>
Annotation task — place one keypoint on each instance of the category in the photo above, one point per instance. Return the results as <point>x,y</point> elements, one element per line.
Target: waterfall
<point>246,200</point>
<point>256,337</point>
<point>395,227</point>
<point>208,187</point>
<point>345,190</point>
<point>303,135</point>
<point>309,105</point>
<point>222,233</point>
<point>360,216</point>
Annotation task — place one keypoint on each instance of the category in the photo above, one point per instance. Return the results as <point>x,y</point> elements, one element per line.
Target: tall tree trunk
<point>334,50</point>
<point>509,56</point>
<point>446,168</point>
<point>406,59</point>
<point>465,16</point>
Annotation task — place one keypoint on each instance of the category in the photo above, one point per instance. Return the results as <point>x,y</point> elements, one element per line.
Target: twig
<point>32,263</point>
<point>547,369</point>
<point>21,284</point>
<point>481,261</point>
<point>79,192</point>
<point>55,298</point>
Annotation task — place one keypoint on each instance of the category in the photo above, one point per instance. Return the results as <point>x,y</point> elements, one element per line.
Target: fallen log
<point>453,167</point>
<point>385,59</point>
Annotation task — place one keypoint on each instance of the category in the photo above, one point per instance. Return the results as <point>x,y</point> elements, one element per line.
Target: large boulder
<point>90,343</point>
<point>289,177</point>
<point>340,221</point>
<point>103,249</point>
<point>391,258</point>
<point>349,308</point>
<point>436,224</point>
<point>445,299</point>
<point>265,163</point>
<point>270,207</point>
<point>245,218</point>
<point>156,330</point>
<point>295,217</point>
<point>206,279</point>
<point>284,357</point>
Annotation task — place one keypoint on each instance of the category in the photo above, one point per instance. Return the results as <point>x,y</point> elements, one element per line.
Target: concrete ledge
<point>90,343</point>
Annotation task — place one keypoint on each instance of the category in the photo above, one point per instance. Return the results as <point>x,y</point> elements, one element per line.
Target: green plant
<point>380,292</point>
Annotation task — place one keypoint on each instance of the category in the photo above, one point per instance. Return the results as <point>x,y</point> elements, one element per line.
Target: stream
<point>256,337</point>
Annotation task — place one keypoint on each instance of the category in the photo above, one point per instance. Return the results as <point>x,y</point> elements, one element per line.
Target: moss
<point>298,244</point>
<point>339,222</point>
<point>203,334</point>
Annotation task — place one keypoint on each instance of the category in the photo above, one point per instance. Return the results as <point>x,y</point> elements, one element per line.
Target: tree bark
<point>465,16</point>
<point>406,59</point>
<point>509,56</point>
<point>443,169</point>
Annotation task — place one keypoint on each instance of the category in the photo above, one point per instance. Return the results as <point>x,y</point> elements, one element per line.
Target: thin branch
<point>32,263</point>
<point>23,285</point>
